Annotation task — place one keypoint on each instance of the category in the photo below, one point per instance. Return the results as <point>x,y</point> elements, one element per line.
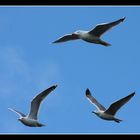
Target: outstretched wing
<point>102,28</point>
<point>94,101</point>
<point>67,37</point>
<point>114,107</point>
<point>35,104</point>
<point>17,112</point>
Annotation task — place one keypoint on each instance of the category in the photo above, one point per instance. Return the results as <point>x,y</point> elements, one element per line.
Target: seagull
<point>108,114</point>
<point>92,36</point>
<point>31,118</point>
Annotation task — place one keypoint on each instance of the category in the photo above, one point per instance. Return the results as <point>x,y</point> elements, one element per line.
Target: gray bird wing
<point>102,28</point>
<point>35,104</point>
<point>94,101</point>
<point>17,112</point>
<point>114,107</point>
<point>67,37</point>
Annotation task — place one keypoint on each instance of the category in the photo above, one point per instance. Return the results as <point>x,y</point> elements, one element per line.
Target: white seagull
<point>31,118</point>
<point>108,114</point>
<point>92,36</point>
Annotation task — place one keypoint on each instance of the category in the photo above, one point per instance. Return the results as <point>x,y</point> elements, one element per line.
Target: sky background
<point>30,64</point>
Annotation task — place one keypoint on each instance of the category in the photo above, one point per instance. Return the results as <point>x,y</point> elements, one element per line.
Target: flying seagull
<point>31,118</point>
<point>108,114</point>
<point>92,36</point>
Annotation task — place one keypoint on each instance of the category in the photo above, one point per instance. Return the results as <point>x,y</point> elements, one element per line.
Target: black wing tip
<point>122,19</point>
<point>55,86</point>
<point>88,92</point>
<point>132,94</point>
<point>52,87</point>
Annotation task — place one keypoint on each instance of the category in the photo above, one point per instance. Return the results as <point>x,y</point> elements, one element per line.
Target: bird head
<point>20,119</point>
<point>78,32</point>
<point>95,112</point>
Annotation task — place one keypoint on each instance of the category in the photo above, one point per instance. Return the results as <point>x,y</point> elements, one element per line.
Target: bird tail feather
<point>105,43</point>
<point>117,120</point>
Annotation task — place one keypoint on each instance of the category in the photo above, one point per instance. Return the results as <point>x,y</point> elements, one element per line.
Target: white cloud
<point>14,70</point>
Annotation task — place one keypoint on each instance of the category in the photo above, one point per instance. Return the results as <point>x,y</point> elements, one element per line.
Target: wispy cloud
<point>18,79</point>
<point>14,76</point>
<point>14,69</point>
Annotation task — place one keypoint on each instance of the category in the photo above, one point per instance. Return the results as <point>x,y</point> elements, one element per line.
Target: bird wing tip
<point>123,18</point>
<point>9,108</point>
<point>87,92</point>
<point>55,85</point>
<point>133,93</point>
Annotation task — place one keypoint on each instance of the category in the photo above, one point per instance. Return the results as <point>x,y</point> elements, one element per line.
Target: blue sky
<point>30,64</point>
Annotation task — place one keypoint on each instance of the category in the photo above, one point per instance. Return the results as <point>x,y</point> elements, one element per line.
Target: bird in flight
<point>31,118</point>
<point>92,36</point>
<point>108,114</point>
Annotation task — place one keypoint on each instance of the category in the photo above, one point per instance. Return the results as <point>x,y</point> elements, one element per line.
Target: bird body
<point>30,122</point>
<point>87,37</point>
<point>108,114</point>
<point>31,119</point>
<point>92,36</point>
